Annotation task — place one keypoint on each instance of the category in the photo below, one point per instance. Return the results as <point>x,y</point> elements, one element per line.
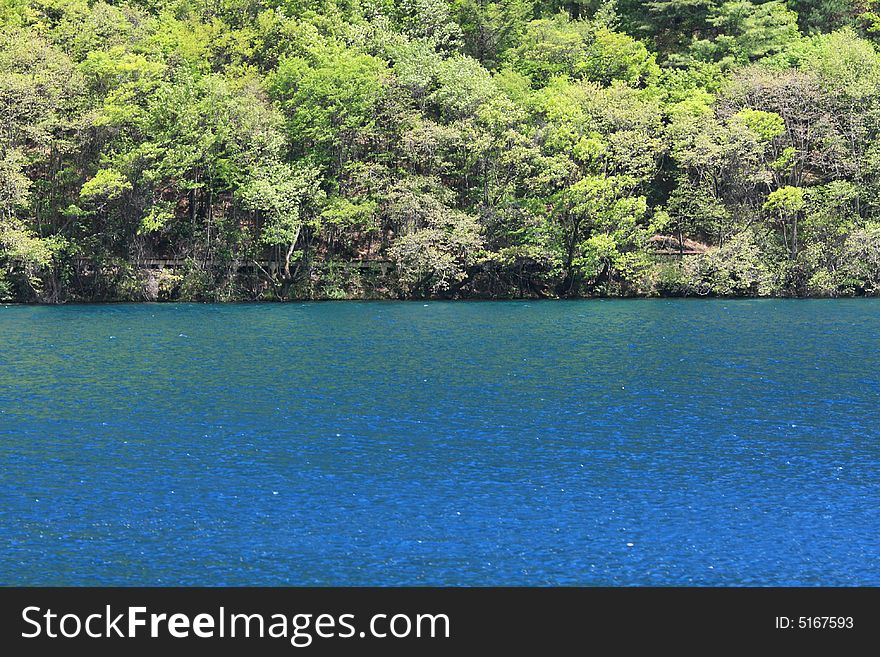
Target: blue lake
<point>655,442</point>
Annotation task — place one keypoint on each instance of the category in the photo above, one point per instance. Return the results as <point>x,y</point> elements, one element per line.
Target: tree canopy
<point>276,149</point>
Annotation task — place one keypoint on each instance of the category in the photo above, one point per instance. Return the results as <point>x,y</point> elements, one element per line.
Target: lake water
<point>658,442</point>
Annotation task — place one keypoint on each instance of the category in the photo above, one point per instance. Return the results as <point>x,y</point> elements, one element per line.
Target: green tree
<point>785,205</point>
<point>289,200</point>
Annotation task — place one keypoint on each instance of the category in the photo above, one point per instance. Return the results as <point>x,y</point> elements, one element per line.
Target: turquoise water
<point>536,443</point>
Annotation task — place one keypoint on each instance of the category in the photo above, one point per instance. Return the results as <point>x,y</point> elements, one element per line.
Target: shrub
<point>859,267</point>
<point>736,268</point>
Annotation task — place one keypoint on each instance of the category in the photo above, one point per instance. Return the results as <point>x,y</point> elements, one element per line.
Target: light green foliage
<point>287,198</point>
<point>157,218</point>
<point>581,50</point>
<point>350,214</point>
<point>416,65</point>
<point>14,184</point>
<point>28,256</point>
<point>785,201</point>
<point>766,125</point>
<point>332,102</point>
<point>21,246</point>
<point>39,91</point>
<point>105,186</point>
<point>280,193</point>
<point>830,212</point>
<point>616,56</point>
<point>845,63</point>
<point>786,160</point>
<point>126,81</point>
<point>463,87</point>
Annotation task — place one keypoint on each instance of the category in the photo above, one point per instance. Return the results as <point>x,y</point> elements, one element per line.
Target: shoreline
<point>273,302</point>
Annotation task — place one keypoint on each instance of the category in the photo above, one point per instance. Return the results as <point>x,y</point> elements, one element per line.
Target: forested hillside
<point>272,149</point>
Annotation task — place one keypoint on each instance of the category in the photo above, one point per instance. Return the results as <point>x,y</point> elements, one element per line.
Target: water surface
<point>527,443</point>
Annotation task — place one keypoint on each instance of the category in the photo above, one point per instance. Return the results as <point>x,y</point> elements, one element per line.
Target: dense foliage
<point>258,149</point>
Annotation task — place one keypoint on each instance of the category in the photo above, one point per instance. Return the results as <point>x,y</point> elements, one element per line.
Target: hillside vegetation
<point>272,149</point>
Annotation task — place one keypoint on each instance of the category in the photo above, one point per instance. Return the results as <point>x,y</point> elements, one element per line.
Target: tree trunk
<point>290,249</point>
<point>192,209</point>
<point>785,234</point>
<point>287,258</point>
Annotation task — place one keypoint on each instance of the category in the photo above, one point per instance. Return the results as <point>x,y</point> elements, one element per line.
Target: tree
<point>491,147</point>
<point>289,199</point>
<point>742,32</point>
<point>579,49</point>
<point>437,259</point>
<point>860,261</point>
<point>785,205</point>
<point>491,28</point>
<point>331,103</point>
